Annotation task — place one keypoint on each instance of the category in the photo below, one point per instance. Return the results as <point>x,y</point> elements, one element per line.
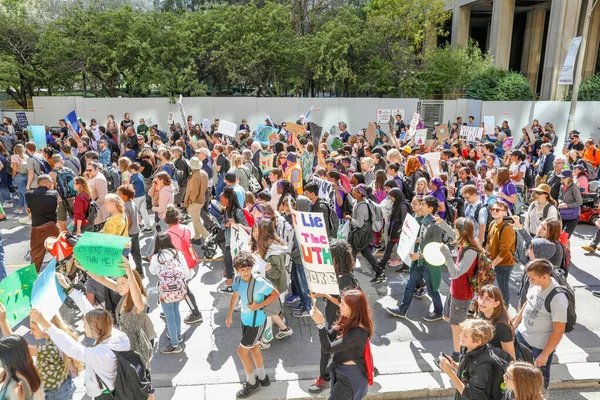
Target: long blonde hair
<point>85,186</point>
<point>100,323</point>
<point>71,364</point>
<point>19,150</point>
<point>117,201</point>
<point>528,381</point>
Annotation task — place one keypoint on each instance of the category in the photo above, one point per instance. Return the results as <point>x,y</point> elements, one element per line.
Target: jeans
<point>136,253</point>
<point>503,279</point>
<point>173,318</point>
<point>64,392</point>
<point>20,181</point>
<point>299,275</point>
<point>2,265</point>
<point>366,253</point>
<point>416,274</point>
<point>5,194</point>
<point>536,352</point>
<point>220,186</point>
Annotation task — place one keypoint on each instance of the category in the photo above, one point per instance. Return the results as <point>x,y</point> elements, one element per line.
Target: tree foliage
<point>493,84</point>
<point>589,89</point>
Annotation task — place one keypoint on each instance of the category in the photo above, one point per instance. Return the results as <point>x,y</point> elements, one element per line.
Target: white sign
<point>182,112</point>
<point>471,133</point>
<point>148,121</point>
<point>240,241</point>
<point>205,125</point>
<point>383,116</point>
<point>311,233</point>
<point>413,124</point>
<point>408,237</point>
<point>170,120</point>
<point>420,137</point>
<point>434,161</point>
<point>566,73</point>
<point>227,128</point>
<point>489,124</point>
<point>326,192</point>
<point>260,266</point>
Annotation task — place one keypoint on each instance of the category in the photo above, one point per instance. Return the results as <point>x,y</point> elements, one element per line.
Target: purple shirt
<point>509,189</point>
<point>439,194</point>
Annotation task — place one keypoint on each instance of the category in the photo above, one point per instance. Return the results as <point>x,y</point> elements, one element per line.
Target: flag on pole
<point>71,118</point>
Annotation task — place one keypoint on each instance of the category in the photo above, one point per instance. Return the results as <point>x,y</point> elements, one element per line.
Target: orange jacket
<point>592,155</point>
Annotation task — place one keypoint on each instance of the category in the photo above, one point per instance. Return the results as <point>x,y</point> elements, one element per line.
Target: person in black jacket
<point>479,372</point>
<point>393,227</point>
<point>311,190</point>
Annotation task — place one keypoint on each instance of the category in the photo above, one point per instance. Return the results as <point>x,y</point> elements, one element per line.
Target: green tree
<point>495,84</point>
<point>589,89</point>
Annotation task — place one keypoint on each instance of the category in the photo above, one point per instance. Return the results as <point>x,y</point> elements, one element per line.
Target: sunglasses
<point>496,209</point>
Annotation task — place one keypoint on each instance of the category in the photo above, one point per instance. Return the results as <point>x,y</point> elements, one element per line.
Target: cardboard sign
<point>22,119</point>
<point>420,137</point>
<point>408,237</point>
<point>442,132</point>
<point>371,133</point>
<point>239,241</point>
<point>315,132</point>
<point>38,133</point>
<point>296,129</point>
<point>311,233</point>
<point>15,294</point>
<point>413,124</point>
<point>100,253</point>
<point>326,191</point>
<point>489,124</point>
<point>383,115</point>
<point>227,128</point>
<point>47,294</point>
<point>266,162</point>
<point>530,133</point>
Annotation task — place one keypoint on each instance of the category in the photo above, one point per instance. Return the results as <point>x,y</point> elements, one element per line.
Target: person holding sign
<point>20,378</point>
<point>253,320</point>
<point>234,214</point>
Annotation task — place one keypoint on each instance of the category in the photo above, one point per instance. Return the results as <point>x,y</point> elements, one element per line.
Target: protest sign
<point>371,133</point>
<point>38,133</point>
<point>471,133</point>
<point>442,132</point>
<point>148,121</point>
<point>311,233</point>
<point>71,118</point>
<point>413,124</point>
<point>182,112</point>
<point>307,115</point>
<point>315,132</point>
<point>170,120</point>
<point>239,241</point>
<point>15,294</point>
<point>530,133</point>
<point>263,133</point>
<point>334,130</point>
<point>383,116</point>
<point>205,125</point>
<point>265,162</point>
<point>22,119</point>
<point>296,129</point>
<point>100,253</point>
<point>337,144</point>
<point>47,294</point>
<point>227,128</point>
<point>420,137</point>
<point>260,266</point>
<point>566,73</point>
<point>489,123</point>
<point>326,191</point>
<point>391,126</point>
<point>434,161</point>
<point>508,142</point>
<point>408,237</point>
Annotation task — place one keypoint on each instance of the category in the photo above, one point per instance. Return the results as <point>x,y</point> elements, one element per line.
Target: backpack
<point>484,273</point>
<point>113,179</point>
<point>7,165</point>
<point>92,212</point>
<point>500,360</point>
<point>44,166</point>
<point>369,366</point>
<point>272,309</point>
<point>65,178</point>
<point>375,216</point>
<point>488,221</point>
<point>333,223</point>
<point>191,257</point>
<point>172,286</point>
<point>563,287</point>
<point>520,251</point>
<point>407,189</point>
<point>450,216</point>
<point>529,178</point>
<point>133,378</point>
<point>591,171</point>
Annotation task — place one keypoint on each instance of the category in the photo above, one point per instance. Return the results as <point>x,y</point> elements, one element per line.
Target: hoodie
<point>165,196</point>
<point>99,359</point>
<point>277,256</point>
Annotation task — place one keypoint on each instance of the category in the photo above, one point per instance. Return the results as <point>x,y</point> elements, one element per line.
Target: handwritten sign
<point>15,294</point>
<point>171,118</point>
<point>239,241</point>
<point>434,161</point>
<point>263,133</point>
<point>266,162</point>
<point>182,111</point>
<point>311,233</point>
<point>489,124</point>
<point>326,191</point>
<point>508,142</point>
<point>296,129</point>
<point>100,253</point>
<point>47,295</point>
<point>205,125</point>
<point>442,132</point>
<point>471,133</point>
<point>420,137</point>
<point>383,116</point>
<point>413,124</point>
<point>22,119</point>
<point>408,237</point>
<point>530,133</point>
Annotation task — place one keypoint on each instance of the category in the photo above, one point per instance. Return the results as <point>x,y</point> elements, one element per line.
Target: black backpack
<point>529,178</point>
<point>133,378</point>
<point>563,287</point>
<point>487,222</point>
<point>92,212</point>
<point>44,166</point>
<point>407,189</point>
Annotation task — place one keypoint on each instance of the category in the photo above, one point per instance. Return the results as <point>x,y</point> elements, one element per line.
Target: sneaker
<point>297,307</point>
<point>197,242</point>
<point>147,230</point>
<point>318,386</point>
<point>264,382</point>
<point>282,334</point>
<point>381,279</point>
<point>264,345</point>
<point>225,289</point>
<point>590,249</point>
<point>301,313</point>
<point>431,317</point>
<point>247,389</point>
<point>17,211</point>
<point>8,205</point>
<point>170,349</point>
<point>403,269</point>
<point>375,279</point>
<point>25,221</point>
<point>596,293</point>
<point>420,293</point>
<point>396,312</point>
<point>193,319</point>
<point>180,338</point>
<point>162,316</point>
<point>291,299</point>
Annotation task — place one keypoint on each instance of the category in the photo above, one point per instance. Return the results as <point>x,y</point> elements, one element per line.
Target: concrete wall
<point>356,112</point>
<point>11,115</point>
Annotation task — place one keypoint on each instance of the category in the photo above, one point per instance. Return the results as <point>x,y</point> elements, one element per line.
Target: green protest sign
<point>337,144</point>
<point>15,294</point>
<point>100,253</point>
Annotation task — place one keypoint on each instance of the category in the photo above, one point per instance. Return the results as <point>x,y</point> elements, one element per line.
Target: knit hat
<point>303,203</point>
<point>543,248</point>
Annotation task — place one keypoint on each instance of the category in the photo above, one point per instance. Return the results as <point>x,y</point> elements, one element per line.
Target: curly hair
<point>244,259</point>
<point>341,253</point>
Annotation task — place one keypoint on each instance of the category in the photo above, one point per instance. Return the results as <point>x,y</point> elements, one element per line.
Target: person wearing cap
<point>293,171</point>
<point>569,203</point>
<point>544,164</point>
<point>590,154</point>
<point>195,198</point>
<point>406,151</point>
<point>42,205</point>
<point>543,207</point>
<point>575,144</point>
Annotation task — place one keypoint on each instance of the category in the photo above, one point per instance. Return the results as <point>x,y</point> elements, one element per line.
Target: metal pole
<point>579,67</point>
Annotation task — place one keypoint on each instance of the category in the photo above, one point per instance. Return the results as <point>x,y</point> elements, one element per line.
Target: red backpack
<point>369,362</point>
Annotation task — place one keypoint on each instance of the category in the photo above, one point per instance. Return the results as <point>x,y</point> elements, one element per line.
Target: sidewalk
<point>400,386</point>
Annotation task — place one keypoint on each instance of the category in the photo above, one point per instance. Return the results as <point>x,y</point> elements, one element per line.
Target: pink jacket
<point>165,196</point>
